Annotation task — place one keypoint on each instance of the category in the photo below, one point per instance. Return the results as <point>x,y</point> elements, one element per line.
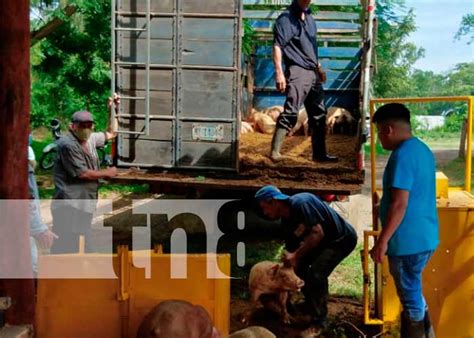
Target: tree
<point>394,55</point>
<point>71,66</point>
<point>466,28</point>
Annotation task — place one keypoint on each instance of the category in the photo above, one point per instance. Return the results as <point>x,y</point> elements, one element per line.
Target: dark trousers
<point>304,87</point>
<point>69,223</point>
<point>317,267</point>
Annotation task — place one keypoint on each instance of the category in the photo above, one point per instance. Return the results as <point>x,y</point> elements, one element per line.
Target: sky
<point>437,22</point>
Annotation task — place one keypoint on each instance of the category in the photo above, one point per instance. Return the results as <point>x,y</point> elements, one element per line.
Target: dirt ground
<point>344,319</point>
<point>298,165</point>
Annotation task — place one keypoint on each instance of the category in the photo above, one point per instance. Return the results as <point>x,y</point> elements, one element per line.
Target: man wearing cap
<point>295,44</point>
<point>76,174</point>
<point>408,214</point>
<point>317,240</point>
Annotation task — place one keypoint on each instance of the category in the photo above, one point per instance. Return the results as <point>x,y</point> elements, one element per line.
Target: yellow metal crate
<point>448,279</point>
<point>77,308</point>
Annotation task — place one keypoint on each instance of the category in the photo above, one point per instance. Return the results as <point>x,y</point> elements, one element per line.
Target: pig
<point>270,278</point>
<point>302,121</point>
<point>340,120</point>
<point>274,112</point>
<point>177,319</point>
<point>253,332</point>
<point>245,127</point>
<point>262,122</point>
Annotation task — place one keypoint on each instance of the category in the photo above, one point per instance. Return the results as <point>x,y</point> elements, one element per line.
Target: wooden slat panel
<point>349,39</point>
<point>345,99</point>
<point>316,2</point>
<point>324,52</point>
<point>335,80</point>
<point>265,66</point>
<point>273,14</point>
<point>269,32</point>
<point>322,25</point>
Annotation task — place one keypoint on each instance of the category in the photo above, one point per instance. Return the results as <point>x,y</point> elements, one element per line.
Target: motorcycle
<point>49,154</point>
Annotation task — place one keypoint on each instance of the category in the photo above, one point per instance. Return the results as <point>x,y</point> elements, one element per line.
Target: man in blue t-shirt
<point>317,240</point>
<point>408,214</point>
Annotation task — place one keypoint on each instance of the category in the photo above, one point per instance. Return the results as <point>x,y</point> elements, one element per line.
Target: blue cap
<point>270,192</point>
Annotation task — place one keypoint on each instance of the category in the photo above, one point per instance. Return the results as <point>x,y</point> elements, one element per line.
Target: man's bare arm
<point>94,175</point>
<point>396,212</point>
<point>279,75</point>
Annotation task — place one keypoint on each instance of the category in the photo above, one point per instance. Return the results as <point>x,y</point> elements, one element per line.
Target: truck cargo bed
<point>296,173</point>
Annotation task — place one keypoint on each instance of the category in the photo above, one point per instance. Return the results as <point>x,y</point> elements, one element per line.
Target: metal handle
<point>365,268</point>
<point>123,257</point>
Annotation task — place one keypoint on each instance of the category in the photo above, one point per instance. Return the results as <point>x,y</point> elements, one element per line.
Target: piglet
<point>340,119</point>
<point>274,112</point>
<point>269,278</point>
<point>177,319</point>
<point>245,127</point>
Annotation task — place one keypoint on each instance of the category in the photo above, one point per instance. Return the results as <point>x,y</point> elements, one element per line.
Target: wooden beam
<point>15,254</point>
<point>273,14</point>
<point>315,2</point>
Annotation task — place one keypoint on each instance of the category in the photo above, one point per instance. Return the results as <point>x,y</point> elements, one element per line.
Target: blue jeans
<point>406,272</point>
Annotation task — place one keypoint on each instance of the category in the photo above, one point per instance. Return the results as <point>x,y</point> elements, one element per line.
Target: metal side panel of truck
<point>176,67</point>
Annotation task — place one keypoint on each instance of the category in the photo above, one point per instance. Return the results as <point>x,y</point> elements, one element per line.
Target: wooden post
<point>462,142</point>
<point>15,256</point>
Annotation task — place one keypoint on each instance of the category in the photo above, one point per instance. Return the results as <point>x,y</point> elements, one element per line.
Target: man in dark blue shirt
<point>317,240</point>
<point>295,44</point>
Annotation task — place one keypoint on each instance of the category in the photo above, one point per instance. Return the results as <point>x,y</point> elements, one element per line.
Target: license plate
<point>208,133</point>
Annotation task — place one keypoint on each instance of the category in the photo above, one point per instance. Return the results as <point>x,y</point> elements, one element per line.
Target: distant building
<point>429,122</point>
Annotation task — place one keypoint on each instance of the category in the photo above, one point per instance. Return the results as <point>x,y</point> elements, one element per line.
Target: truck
<point>186,86</point>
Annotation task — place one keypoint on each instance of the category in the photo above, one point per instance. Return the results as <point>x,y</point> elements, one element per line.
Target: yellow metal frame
<point>365,268</point>
<point>375,224</point>
<point>468,99</point>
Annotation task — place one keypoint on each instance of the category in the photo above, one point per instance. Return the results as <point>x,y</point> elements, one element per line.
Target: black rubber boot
<point>411,329</point>
<point>318,143</point>
<point>277,141</point>
<point>429,331</point>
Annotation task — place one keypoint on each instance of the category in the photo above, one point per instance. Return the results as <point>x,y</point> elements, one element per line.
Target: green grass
<point>455,171</point>
<point>123,189</point>
<point>378,149</point>
<point>347,279</point>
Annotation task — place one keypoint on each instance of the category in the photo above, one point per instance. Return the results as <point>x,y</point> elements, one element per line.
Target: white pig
<point>270,278</point>
<point>340,119</point>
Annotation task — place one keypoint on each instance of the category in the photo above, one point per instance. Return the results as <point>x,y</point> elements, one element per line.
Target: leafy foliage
<point>71,68</point>
<point>466,28</point>
<point>395,56</point>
